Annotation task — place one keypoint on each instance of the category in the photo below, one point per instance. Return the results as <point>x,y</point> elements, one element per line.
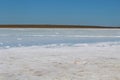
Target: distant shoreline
<point>56,26</point>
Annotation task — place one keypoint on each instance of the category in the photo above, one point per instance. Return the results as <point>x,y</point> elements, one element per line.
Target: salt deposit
<point>87,62</point>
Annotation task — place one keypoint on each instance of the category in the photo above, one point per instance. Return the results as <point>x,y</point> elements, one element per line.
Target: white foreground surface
<point>80,62</point>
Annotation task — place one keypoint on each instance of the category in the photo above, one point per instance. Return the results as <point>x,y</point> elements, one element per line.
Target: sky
<point>61,12</point>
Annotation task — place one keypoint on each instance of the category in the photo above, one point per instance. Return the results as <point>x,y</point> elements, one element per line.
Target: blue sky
<point>75,12</point>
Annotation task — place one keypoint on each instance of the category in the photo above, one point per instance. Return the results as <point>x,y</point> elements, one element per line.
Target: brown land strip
<point>54,26</point>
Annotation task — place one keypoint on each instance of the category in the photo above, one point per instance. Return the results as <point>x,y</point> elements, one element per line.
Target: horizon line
<point>52,26</point>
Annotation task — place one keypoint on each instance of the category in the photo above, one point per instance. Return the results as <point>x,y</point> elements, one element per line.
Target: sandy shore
<point>60,63</point>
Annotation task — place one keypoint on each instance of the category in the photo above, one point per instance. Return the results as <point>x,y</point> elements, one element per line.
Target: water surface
<point>16,37</point>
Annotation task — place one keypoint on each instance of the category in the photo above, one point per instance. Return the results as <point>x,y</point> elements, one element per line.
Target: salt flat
<point>80,62</point>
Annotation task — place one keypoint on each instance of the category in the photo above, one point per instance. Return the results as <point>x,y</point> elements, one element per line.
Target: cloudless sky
<point>75,12</point>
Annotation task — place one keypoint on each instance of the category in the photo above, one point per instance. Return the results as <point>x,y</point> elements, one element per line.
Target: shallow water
<point>12,37</point>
